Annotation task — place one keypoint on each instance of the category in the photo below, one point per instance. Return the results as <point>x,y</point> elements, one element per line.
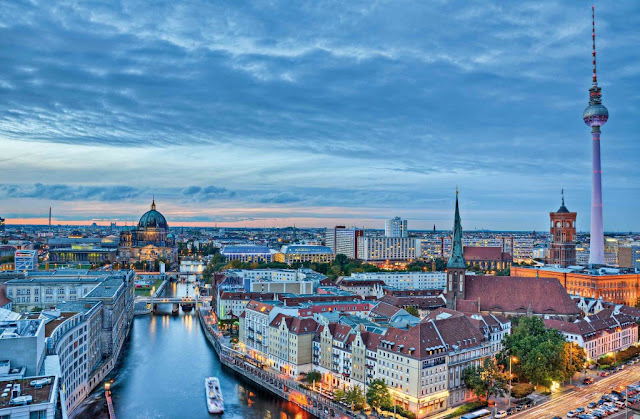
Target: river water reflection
<point>161,375</point>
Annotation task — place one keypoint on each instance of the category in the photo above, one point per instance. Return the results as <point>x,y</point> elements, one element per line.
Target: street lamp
<point>515,361</point>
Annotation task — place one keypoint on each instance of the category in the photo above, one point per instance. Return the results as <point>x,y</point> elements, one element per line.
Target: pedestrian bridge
<point>173,300</point>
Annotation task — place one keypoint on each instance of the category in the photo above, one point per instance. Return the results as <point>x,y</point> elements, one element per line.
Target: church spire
<point>153,203</point>
<point>457,258</point>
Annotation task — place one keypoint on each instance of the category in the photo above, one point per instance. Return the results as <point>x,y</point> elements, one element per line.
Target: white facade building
<point>343,241</point>
<point>406,280</point>
<point>395,227</point>
<point>388,248</point>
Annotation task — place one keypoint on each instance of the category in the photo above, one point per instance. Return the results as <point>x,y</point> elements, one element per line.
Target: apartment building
<point>608,331</point>
<point>405,280</point>
<point>291,344</point>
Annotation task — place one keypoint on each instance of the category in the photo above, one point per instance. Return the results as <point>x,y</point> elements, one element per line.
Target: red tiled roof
<point>4,300</point>
<point>467,306</point>
<point>442,310</point>
<point>300,326</point>
<point>371,340</point>
<point>258,306</point>
<point>421,341</point>
<point>459,331</point>
<point>475,253</point>
<point>424,302</point>
<point>339,331</point>
<point>384,310</point>
<point>512,294</point>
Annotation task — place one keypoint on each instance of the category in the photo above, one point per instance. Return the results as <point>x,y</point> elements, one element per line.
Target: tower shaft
<point>596,247</point>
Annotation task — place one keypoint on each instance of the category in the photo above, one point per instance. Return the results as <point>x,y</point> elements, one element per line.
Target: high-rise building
<point>563,236</point>
<point>343,240</point>
<point>380,249</point>
<point>629,256</point>
<point>1,224</point>
<point>395,227</point>
<point>595,116</point>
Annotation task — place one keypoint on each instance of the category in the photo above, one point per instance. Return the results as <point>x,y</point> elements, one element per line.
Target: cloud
<point>206,193</point>
<point>377,105</point>
<point>70,192</point>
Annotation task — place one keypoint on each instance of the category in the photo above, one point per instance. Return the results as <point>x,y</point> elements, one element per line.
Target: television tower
<point>595,116</point>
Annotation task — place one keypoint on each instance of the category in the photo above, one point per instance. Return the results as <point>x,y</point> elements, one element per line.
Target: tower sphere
<point>595,115</point>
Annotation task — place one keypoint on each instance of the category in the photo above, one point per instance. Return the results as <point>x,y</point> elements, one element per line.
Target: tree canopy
<point>378,394</point>
<point>543,355</point>
<point>486,380</point>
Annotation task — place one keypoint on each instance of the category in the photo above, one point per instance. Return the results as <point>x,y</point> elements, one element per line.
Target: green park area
<point>145,291</point>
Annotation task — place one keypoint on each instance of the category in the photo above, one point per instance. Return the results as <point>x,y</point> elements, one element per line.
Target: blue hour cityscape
<point>319,210</point>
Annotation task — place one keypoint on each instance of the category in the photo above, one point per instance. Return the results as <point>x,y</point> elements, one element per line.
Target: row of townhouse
<point>599,334</point>
<point>422,364</point>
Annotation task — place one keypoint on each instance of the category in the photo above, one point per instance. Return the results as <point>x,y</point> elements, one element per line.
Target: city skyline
<point>242,115</point>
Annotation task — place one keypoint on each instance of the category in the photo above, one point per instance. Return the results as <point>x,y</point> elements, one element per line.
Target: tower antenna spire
<point>562,193</point>
<point>593,36</point>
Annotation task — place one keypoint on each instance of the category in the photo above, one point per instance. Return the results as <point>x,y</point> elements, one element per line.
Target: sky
<point>315,113</point>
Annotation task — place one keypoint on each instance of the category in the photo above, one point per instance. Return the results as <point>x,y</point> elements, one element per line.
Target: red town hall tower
<point>563,235</point>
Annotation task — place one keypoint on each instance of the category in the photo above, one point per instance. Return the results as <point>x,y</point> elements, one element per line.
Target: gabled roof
<point>339,331</point>
<point>459,332</point>
<point>512,294</point>
<point>422,341</point>
<point>384,310</point>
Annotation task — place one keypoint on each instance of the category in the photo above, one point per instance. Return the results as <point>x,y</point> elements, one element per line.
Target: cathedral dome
<point>153,219</point>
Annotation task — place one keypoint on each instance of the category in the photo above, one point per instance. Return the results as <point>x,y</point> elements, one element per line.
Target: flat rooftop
<point>18,328</point>
<point>40,395</point>
<point>107,289</point>
<point>51,326</point>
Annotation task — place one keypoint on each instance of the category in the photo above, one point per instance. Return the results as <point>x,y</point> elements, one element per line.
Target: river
<point>162,369</point>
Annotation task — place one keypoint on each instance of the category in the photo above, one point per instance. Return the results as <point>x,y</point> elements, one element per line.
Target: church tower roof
<point>457,259</point>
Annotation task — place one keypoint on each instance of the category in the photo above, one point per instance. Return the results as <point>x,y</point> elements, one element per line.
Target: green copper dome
<point>153,219</point>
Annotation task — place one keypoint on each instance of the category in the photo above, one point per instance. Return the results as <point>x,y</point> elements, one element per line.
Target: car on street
<point>501,414</point>
<point>604,374</point>
<point>571,414</point>
<point>592,405</point>
<point>579,410</point>
<point>588,380</point>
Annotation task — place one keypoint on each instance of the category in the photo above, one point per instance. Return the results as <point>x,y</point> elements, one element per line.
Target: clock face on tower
<point>558,223</point>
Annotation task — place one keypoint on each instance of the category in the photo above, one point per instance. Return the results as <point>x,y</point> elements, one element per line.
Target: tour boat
<point>214,395</point>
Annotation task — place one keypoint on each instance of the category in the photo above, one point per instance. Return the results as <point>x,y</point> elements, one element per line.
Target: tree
<point>413,311</point>
<point>378,394</point>
<point>313,377</point>
<point>354,396</point>
<point>339,395</point>
<point>487,379</point>
<point>543,354</point>
<point>340,260</point>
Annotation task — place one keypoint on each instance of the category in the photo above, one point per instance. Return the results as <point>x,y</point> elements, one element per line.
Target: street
<point>563,403</point>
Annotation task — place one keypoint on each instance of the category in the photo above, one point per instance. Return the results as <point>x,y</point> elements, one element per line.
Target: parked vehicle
<point>588,380</point>
<point>501,414</point>
<point>571,414</point>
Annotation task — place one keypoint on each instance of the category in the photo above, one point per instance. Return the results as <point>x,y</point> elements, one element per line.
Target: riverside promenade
<point>288,389</point>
